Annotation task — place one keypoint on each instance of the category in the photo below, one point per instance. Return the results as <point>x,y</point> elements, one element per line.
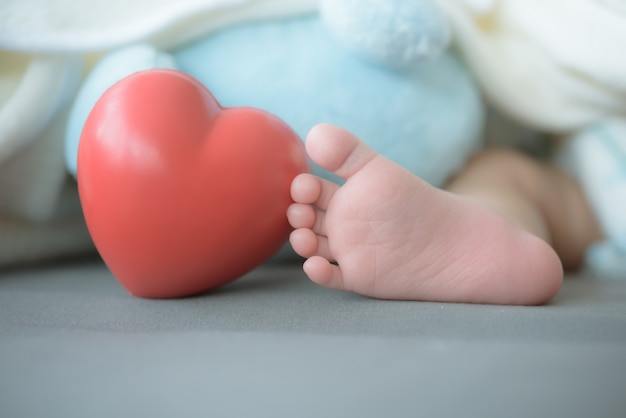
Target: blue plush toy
<point>379,68</point>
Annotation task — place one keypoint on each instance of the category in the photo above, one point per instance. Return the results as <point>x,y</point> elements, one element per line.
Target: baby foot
<point>387,234</point>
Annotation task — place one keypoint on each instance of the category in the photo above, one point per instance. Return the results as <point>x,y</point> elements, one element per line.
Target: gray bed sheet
<point>73,343</point>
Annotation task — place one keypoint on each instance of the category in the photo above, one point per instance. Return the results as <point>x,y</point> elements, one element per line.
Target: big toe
<point>338,150</point>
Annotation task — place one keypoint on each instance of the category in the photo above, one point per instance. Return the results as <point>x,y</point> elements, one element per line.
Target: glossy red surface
<point>181,195</point>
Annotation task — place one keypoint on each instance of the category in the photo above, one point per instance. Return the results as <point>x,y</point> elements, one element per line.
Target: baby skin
<point>501,232</point>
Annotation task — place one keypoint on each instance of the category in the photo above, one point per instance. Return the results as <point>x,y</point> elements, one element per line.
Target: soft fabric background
<point>555,66</point>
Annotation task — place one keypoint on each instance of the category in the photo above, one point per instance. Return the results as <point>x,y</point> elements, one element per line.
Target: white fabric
<point>79,25</point>
<point>554,65</point>
<point>31,135</point>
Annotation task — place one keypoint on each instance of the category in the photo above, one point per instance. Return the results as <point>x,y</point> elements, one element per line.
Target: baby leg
<point>386,233</point>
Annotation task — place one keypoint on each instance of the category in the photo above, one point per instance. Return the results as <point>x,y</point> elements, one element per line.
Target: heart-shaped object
<point>179,194</point>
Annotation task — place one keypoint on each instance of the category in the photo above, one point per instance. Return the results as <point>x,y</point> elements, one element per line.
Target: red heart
<point>179,194</point>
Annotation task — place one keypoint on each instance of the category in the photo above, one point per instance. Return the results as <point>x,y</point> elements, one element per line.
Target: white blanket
<point>554,65</point>
<point>95,25</point>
